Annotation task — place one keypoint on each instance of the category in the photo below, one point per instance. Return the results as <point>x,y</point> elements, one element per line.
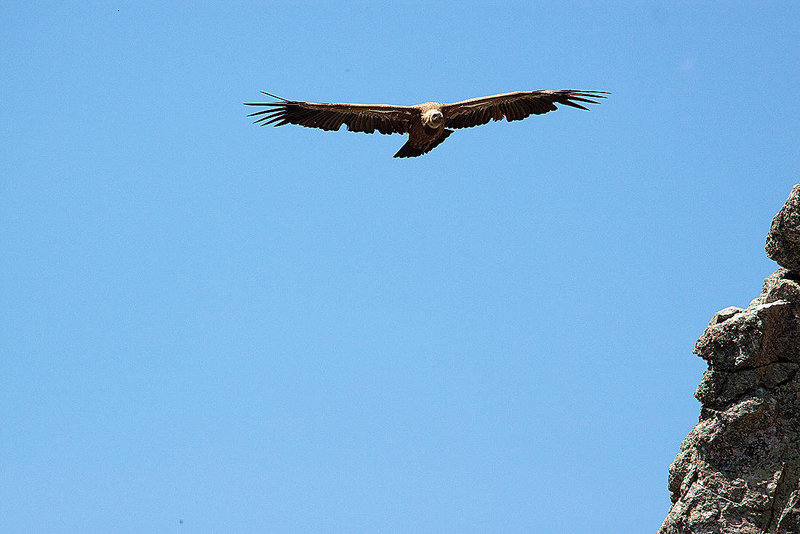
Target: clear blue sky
<point>287,330</point>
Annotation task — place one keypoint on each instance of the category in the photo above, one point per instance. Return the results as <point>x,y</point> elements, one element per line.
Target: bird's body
<point>426,133</point>
<point>428,124</point>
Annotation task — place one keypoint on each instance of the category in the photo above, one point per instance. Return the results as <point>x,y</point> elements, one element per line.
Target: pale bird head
<point>433,118</point>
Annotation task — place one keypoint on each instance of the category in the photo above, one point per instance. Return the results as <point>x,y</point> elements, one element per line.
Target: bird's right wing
<point>358,117</point>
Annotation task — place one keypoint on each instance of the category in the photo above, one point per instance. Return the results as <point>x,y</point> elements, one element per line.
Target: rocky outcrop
<point>739,469</point>
<point>783,240</point>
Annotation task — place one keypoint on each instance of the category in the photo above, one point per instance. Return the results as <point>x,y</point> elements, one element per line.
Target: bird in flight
<point>428,124</point>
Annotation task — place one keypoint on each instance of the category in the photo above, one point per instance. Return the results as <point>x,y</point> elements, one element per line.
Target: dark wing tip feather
<point>567,102</point>
<point>584,92</point>
<point>281,103</point>
<point>274,96</point>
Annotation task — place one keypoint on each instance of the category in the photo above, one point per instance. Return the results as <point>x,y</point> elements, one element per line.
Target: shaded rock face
<point>739,469</point>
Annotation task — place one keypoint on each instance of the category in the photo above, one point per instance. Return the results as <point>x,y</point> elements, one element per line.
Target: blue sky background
<point>287,330</point>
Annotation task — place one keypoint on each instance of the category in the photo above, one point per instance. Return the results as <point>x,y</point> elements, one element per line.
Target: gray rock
<point>739,469</point>
<point>783,239</point>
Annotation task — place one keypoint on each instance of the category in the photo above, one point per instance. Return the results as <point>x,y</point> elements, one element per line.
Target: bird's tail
<point>409,150</point>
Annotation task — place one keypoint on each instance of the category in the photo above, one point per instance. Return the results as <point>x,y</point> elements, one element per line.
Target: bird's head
<point>432,118</point>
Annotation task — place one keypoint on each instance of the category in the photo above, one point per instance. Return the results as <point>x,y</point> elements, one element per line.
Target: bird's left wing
<point>514,106</point>
<point>358,117</point>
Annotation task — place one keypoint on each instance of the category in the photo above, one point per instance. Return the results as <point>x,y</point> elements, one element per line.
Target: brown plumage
<point>428,124</point>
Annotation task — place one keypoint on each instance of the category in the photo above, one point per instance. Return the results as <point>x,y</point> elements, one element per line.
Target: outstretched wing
<point>358,117</point>
<point>514,106</point>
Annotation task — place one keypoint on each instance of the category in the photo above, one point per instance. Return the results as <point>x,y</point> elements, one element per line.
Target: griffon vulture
<point>428,124</point>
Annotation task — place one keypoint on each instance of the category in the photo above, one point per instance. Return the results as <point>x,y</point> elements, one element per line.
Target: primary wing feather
<point>357,117</point>
<point>514,106</point>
